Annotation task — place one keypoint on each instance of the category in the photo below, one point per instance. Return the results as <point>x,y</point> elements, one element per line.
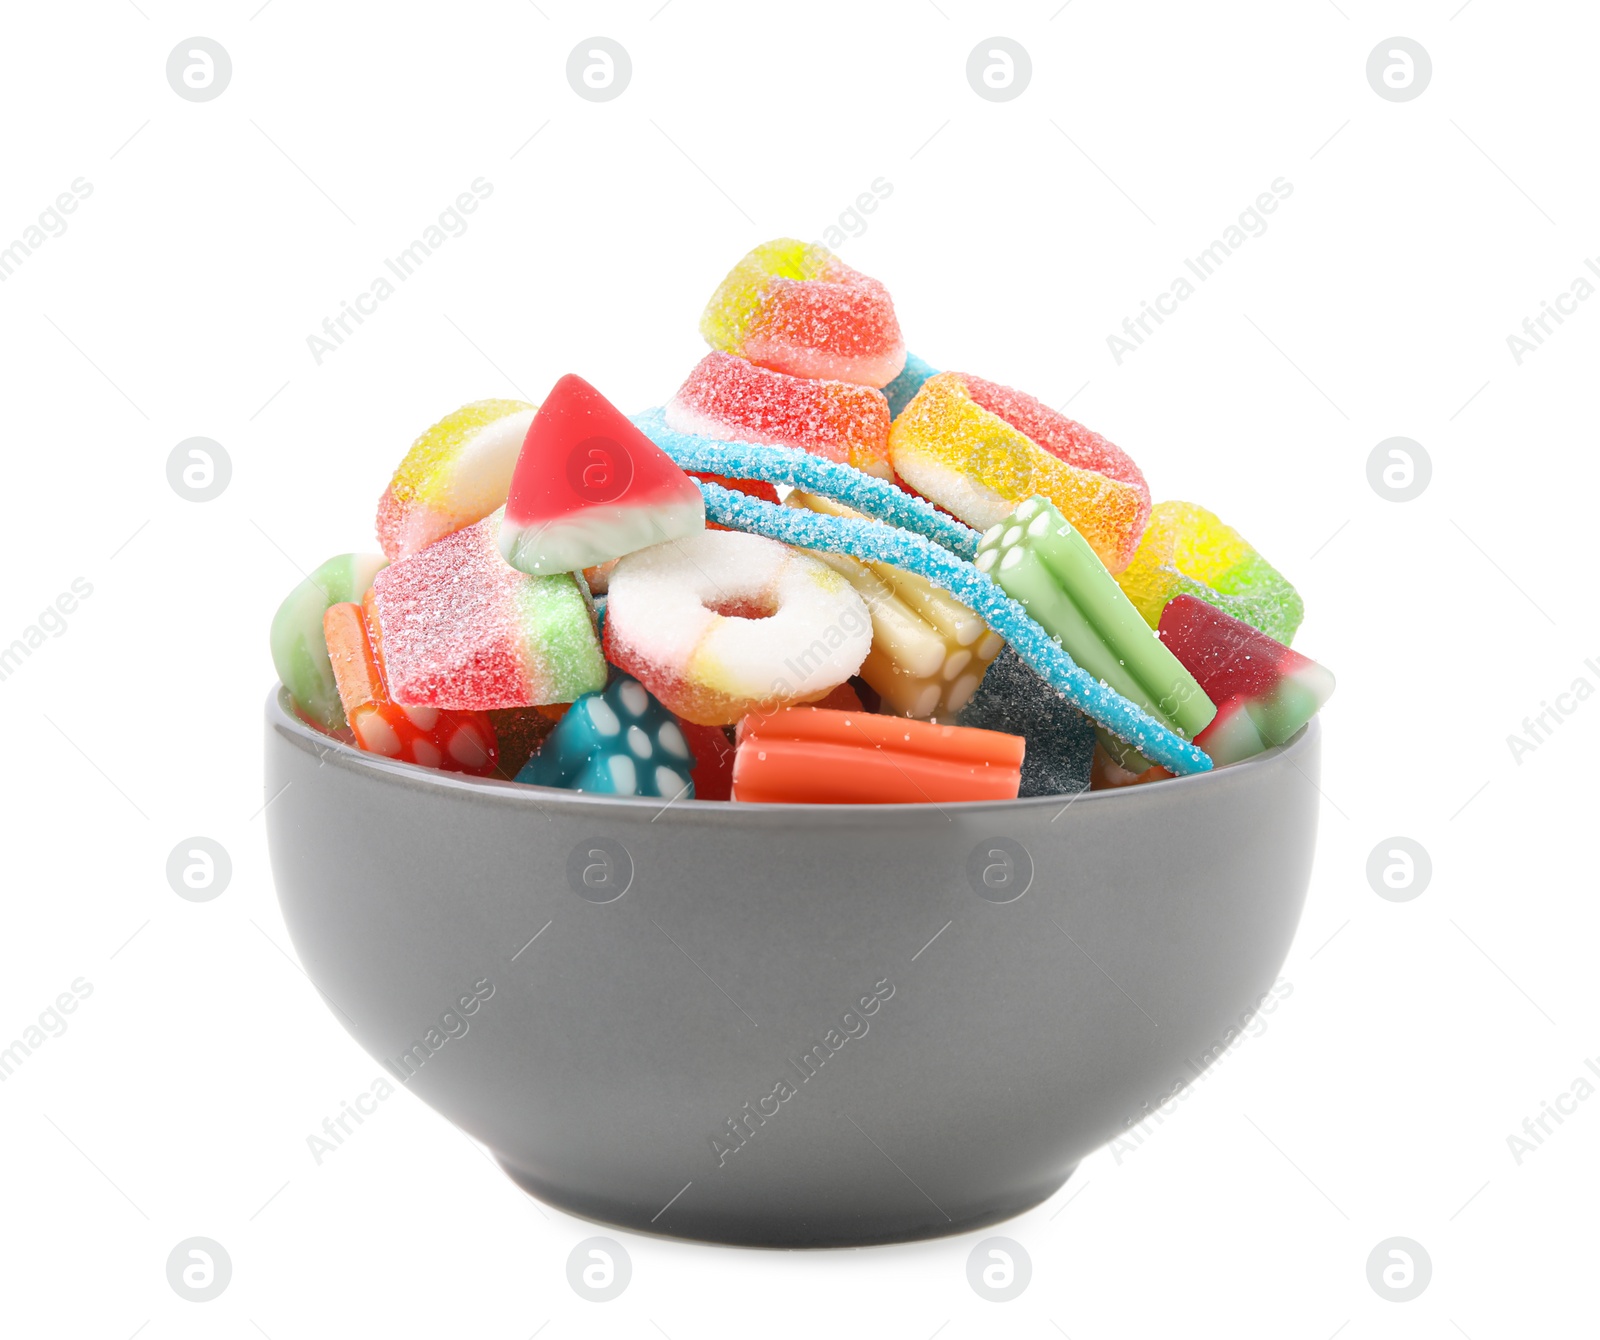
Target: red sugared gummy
<point>729,397</point>
<point>1263,690</point>
<point>1227,657</point>
<point>464,630</point>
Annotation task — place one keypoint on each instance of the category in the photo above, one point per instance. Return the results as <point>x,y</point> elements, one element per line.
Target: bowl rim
<point>284,721</point>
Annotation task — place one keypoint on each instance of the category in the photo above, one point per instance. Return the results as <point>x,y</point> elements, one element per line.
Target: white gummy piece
<point>956,664</point>
<point>961,693</point>
<point>423,718</point>
<point>634,697</point>
<point>605,720</point>
<point>467,748</point>
<point>624,777</point>
<point>378,736</point>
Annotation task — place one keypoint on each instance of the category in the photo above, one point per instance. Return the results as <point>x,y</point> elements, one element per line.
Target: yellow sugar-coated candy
<point>1187,550</point>
<point>737,301</point>
<point>929,651</point>
<point>974,464</point>
<point>454,475</point>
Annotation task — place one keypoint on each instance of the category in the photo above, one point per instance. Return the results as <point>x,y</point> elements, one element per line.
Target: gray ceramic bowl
<point>787,1025</point>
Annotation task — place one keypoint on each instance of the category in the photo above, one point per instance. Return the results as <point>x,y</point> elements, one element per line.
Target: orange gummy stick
<point>355,670</point>
<point>820,756</point>
<point>453,741</point>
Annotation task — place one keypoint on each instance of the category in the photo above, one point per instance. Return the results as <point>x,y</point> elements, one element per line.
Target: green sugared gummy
<point>299,651</point>
<point>560,643</point>
<point>1256,593</point>
<point>1043,564</point>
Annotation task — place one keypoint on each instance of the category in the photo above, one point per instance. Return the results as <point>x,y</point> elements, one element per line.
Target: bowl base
<point>864,1229</point>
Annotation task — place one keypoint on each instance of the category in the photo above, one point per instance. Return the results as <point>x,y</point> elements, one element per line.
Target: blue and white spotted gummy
<point>885,544</point>
<point>814,474</point>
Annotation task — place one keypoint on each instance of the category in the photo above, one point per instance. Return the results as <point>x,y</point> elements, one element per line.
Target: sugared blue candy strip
<point>814,474</point>
<point>908,383</point>
<point>869,540</point>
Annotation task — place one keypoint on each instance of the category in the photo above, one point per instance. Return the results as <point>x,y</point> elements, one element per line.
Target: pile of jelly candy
<point>822,572</point>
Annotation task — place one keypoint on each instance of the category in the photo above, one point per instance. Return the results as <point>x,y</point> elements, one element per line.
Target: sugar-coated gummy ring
<point>783,465</point>
<point>869,540</point>
<point>724,623</point>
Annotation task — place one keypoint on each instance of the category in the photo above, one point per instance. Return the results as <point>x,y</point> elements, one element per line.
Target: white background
<point>1419,1035</point>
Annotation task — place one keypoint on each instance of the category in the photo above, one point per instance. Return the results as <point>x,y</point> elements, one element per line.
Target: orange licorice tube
<point>815,755</point>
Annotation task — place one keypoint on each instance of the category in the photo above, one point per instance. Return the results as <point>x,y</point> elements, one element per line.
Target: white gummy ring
<point>724,623</point>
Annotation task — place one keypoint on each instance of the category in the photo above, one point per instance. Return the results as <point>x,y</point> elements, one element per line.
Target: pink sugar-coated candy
<point>462,629</point>
<point>732,399</point>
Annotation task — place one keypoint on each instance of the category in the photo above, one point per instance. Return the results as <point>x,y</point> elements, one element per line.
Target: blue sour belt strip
<point>845,484</point>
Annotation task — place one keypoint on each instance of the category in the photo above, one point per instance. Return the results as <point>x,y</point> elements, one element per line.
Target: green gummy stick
<point>1066,588</point>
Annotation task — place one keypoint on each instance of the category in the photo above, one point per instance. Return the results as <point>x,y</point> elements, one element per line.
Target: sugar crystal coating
<point>797,307</point>
<point>1187,550</point>
<point>1060,738</point>
<point>728,397</point>
<point>1038,558</point>
<point>929,651</point>
<point>829,479</point>
<point>451,741</point>
<point>461,628</point>
<point>1264,691</point>
<point>872,540</point>
<point>955,445</point>
<point>456,473</point>
<point>900,391</point>
<point>725,623</point>
<point>1064,438</point>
